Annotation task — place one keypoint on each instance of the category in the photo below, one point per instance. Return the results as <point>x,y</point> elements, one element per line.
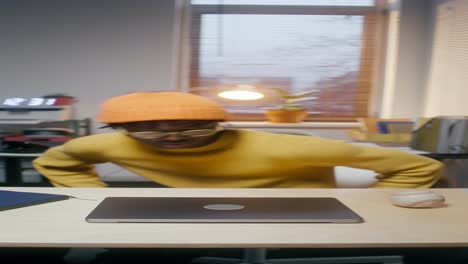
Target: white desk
<point>62,224</point>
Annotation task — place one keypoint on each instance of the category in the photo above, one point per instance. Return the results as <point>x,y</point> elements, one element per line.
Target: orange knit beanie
<point>152,106</point>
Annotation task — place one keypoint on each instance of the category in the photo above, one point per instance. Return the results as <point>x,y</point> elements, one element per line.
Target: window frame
<point>370,48</point>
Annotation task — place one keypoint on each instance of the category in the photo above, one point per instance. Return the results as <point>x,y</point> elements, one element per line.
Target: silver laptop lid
<point>233,210</point>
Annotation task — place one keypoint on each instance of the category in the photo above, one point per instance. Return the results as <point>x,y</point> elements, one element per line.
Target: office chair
<point>259,256</point>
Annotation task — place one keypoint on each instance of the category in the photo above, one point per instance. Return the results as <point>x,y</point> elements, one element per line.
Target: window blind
<point>328,46</point>
<point>448,74</point>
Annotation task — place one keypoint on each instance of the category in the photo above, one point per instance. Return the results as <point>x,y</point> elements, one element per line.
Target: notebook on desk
<point>14,199</point>
<point>213,210</point>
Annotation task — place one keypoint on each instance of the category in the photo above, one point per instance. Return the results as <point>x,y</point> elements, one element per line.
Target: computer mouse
<point>417,199</point>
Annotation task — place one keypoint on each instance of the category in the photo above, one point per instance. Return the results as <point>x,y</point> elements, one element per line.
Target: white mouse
<point>417,199</point>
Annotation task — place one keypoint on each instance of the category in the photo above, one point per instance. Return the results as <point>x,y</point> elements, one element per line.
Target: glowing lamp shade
<point>241,92</point>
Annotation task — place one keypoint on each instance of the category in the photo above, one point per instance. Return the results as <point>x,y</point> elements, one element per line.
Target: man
<point>174,139</point>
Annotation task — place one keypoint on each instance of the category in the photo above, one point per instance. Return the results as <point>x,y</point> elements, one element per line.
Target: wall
<point>90,49</point>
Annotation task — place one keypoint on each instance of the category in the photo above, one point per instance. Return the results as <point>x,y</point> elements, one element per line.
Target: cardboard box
<point>382,130</point>
<point>359,135</point>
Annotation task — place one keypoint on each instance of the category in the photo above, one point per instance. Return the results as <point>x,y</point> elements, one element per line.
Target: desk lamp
<point>241,92</point>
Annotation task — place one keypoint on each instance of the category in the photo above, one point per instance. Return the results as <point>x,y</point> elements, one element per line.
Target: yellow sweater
<point>238,158</point>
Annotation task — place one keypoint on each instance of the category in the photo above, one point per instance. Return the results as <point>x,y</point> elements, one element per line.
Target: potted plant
<point>291,110</point>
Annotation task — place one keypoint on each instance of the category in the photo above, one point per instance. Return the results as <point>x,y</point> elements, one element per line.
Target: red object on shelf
<point>64,100</point>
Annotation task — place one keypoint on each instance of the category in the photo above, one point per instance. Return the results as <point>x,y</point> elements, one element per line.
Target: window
<point>323,45</point>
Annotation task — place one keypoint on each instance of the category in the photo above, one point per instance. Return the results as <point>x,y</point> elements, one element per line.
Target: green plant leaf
<point>290,100</point>
<point>292,107</point>
<point>295,100</point>
<point>302,94</point>
<point>283,93</point>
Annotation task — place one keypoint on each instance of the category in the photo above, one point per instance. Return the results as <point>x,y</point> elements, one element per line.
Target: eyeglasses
<point>155,134</point>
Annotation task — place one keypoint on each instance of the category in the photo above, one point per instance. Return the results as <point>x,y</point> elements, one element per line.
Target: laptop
<point>14,199</point>
<point>226,210</point>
